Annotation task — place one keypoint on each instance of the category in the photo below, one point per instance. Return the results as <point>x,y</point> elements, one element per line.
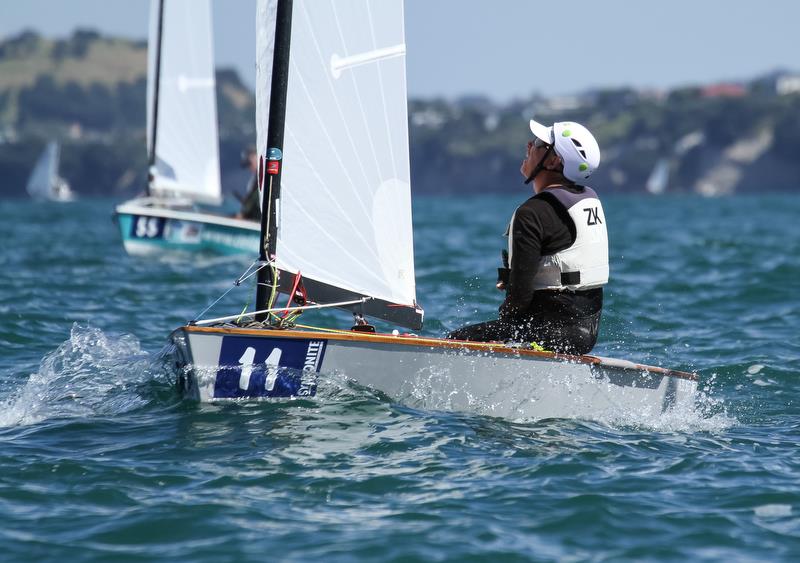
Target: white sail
<point>44,172</point>
<point>44,183</point>
<point>345,209</point>
<point>657,181</point>
<point>184,129</point>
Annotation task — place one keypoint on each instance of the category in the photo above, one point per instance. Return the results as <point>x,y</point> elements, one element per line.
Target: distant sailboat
<point>333,142</point>
<point>659,177</point>
<point>44,182</point>
<point>182,143</point>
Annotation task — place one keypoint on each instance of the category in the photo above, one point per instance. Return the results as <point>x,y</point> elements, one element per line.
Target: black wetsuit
<point>251,207</point>
<point>561,321</point>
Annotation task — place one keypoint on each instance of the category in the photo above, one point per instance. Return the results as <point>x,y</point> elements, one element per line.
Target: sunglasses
<point>538,143</point>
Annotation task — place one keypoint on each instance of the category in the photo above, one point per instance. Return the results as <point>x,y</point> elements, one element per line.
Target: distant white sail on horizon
<point>185,128</point>
<point>44,183</point>
<point>659,177</point>
<point>345,209</point>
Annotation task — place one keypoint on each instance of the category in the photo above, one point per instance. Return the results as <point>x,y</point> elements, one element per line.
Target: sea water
<point>101,459</point>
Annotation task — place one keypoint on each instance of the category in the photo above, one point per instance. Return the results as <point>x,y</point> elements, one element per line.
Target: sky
<point>507,49</point>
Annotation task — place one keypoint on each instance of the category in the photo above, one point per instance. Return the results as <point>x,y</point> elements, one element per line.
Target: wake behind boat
<point>337,232</point>
<point>182,144</point>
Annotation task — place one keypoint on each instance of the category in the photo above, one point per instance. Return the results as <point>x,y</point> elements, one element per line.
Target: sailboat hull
<point>148,230</point>
<point>217,364</point>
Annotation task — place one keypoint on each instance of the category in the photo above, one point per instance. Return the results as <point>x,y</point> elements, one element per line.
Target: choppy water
<point>100,459</point>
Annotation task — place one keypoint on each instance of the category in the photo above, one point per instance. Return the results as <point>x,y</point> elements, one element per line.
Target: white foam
<point>773,510</point>
<point>705,414</point>
<point>90,373</point>
<point>436,388</point>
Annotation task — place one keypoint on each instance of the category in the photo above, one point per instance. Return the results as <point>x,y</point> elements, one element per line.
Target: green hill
<point>85,58</point>
<point>88,91</point>
<point>85,61</point>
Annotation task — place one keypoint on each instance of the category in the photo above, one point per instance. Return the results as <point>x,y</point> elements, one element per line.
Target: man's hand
<point>502,278</point>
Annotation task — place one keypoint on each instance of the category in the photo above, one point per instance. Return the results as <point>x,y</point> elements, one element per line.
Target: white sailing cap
<point>576,146</point>
<point>542,132</point>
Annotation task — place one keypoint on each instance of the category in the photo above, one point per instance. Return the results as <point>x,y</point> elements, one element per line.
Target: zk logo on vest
<point>592,216</point>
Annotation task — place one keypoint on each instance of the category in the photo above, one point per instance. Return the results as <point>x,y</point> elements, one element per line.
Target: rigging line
<point>236,283</point>
<point>249,274</point>
<point>383,91</point>
<point>279,309</point>
<point>327,74</point>
<point>217,300</point>
<point>360,102</point>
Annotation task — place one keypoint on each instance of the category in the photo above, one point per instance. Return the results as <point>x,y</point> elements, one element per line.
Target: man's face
<point>534,152</point>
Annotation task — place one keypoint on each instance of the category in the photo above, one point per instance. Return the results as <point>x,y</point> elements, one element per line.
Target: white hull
<point>491,379</point>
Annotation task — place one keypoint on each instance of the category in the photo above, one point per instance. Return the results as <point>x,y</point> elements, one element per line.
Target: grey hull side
<point>483,381</point>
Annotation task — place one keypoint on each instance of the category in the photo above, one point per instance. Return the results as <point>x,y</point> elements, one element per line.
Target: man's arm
<point>526,233</point>
<point>251,208</point>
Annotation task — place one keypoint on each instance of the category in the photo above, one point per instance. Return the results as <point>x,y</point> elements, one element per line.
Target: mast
<point>151,160</point>
<point>271,169</point>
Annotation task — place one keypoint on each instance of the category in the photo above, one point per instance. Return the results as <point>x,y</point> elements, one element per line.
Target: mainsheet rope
<point>279,309</point>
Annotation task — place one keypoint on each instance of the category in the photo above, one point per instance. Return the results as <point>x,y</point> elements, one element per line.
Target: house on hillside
<point>723,90</point>
<point>787,84</point>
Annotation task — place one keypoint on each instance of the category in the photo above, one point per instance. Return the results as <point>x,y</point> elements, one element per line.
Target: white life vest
<point>584,265</point>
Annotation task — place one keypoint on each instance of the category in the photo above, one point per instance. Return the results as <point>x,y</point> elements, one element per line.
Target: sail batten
<point>181,101</point>
<point>345,209</point>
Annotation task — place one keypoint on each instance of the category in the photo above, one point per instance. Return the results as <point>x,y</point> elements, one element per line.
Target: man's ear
<point>554,161</point>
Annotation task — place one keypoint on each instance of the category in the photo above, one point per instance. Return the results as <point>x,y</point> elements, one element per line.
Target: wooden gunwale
<point>420,341</point>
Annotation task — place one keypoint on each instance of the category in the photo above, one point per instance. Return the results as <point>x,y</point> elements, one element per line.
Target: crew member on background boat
<point>557,258</point>
<point>251,207</point>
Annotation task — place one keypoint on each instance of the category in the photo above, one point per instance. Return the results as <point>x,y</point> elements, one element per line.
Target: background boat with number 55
<point>178,213</point>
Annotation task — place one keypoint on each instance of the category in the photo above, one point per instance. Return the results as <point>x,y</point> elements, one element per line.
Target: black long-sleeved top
<point>251,207</point>
<point>543,227</point>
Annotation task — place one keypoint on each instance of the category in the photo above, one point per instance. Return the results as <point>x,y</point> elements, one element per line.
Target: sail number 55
<point>148,227</point>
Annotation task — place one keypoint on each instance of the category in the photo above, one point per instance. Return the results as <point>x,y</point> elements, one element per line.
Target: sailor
<point>557,258</point>
<point>251,207</point>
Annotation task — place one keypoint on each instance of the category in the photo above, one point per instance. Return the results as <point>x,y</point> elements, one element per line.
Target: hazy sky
<point>508,48</point>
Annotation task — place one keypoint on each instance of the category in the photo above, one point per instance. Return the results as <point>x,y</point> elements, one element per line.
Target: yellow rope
<point>333,330</point>
<point>246,305</point>
<point>533,345</point>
